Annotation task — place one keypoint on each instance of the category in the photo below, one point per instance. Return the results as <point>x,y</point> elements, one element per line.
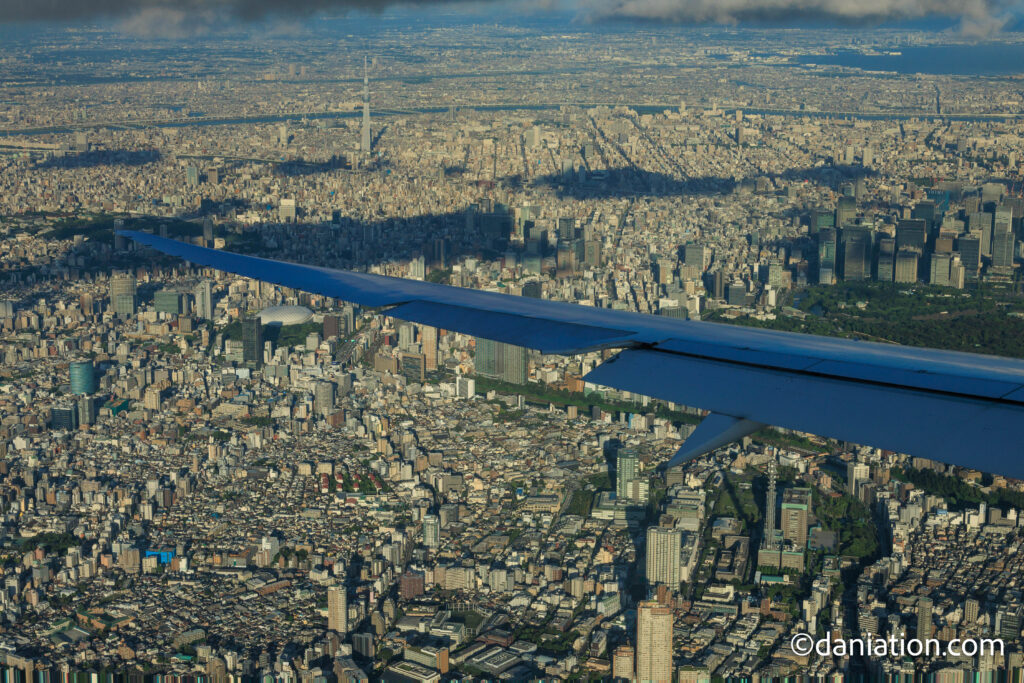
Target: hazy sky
<point>974,17</point>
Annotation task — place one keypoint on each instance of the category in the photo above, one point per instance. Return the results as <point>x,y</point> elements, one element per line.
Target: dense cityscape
<point>206,477</point>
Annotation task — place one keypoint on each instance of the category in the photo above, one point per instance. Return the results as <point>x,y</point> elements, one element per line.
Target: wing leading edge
<point>958,408</point>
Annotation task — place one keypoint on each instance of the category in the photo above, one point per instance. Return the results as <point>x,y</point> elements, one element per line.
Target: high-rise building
<point>1008,623</point>
<point>332,326</point>
<point>337,609</point>
<point>827,256</point>
<point>846,211</point>
<point>323,398</point>
<point>566,229</point>
<point>501,361</point>
<point>924,618</point>
<point>939,270</point>
<point>168,301</point>
<point>286,210</point>
<point>907,265</point>
<point>83,377</point>
<point>694,255</point>
<point>1002,249</point>
<point>970,255</point>
<point>64,417</point>
<point>204,299</point>
<point>252,341</point>
<point>623,663</point>
<point>428,344</point>
<point>122,293</point>
<point>364,138</point>
<point>886,260</point>
<point>431,531</point>
<point>768,537</point>
<point>971,610</point>
<point>6,308</point>
<point>411,585</point>
<point>86,410</point>
<point>626,466</point>
<point>856,253</point>
<point>856,472</point>
<point>663,545</point>
<point>653,643</point>
<point>911,234</point>
<point>796,504</point>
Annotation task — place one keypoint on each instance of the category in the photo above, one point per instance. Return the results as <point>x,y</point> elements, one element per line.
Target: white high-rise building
<point>337,609</point>
<point>653,643</point>
<point>663,546</point>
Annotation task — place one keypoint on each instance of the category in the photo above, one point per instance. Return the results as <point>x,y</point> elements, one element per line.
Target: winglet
<point>715,431</point>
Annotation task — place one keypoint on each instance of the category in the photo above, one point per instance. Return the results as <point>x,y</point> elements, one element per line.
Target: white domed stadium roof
<point>285,315</point>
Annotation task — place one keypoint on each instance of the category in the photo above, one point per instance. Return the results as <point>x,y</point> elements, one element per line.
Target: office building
<point>204,299</point>
<point>83,377</point>
<point>663,547</point>
<point>626,470</point>
<point>911,234</point>
<point>168,301</point>
<point>504,362</point>
<point>886,270</point>
<point>323,398</point>
<point>795,509</point>
<point>1008,623</point>
<point>252,341</point>
<point>846,211</point>
<point>566,229</point>
<point>939,270</point>
<point>653,643</point>
<point>907,265</point>
<point>1002,249</point>
<point>856,253</point>
<point>122,294</point>
<point>970,255</point>
<point>337,609</point>
<point>64,417</point>
<point>287,211</point>
<point>431,531</point>
<point>827,256</point>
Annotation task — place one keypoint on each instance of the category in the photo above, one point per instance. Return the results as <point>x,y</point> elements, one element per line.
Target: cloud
<point>976,16</point>
<point>191,17</point>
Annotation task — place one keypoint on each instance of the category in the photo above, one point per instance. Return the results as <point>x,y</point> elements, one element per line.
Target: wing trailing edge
<point>959,408</point>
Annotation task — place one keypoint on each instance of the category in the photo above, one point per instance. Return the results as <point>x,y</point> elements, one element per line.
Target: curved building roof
<point>285,315</point>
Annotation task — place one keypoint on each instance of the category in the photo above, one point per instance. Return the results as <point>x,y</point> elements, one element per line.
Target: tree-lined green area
<point>439,276</point>
<point>958,493</point>
<point>543,395</point>
<point>582,502</point>
<point>48,541</point>
<point>851,522</point>
<point>914,315</point>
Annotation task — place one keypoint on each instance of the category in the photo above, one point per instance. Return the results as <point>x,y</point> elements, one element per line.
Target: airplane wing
<point>959,408</point>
